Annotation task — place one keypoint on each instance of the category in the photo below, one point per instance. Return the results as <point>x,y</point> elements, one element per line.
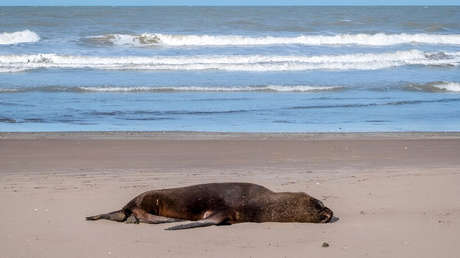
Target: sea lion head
<point>316,212</point>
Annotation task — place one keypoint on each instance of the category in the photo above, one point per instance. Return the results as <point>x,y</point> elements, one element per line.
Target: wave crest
<point>378,39</point>
<point>25,36</point>
<point>439,86</point>
<point>251,63</point>
<point>265,88</point>
<point>144,39</point>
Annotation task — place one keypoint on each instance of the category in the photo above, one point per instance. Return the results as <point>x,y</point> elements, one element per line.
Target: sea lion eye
<point>318,205</point>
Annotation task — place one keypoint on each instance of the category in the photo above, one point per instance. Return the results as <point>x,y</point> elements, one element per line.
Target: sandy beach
<point>394,194</point>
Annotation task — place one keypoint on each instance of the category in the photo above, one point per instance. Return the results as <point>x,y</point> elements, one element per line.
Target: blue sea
<point>230,69</point>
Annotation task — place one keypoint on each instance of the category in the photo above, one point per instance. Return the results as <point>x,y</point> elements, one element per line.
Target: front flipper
<point>145,217</point>
<point>217,218</point>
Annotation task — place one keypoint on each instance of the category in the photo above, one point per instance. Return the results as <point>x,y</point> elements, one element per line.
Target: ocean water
<point>232,69</point>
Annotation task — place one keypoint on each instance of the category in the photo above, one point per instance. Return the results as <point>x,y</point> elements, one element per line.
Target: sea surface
<point>230,69</point>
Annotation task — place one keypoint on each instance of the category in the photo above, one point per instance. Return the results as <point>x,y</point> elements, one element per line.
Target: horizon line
<point>198,5</point>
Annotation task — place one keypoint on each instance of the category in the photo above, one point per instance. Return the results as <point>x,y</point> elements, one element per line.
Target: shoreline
<point>191,135</point>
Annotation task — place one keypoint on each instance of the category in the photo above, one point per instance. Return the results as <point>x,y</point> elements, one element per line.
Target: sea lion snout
<point>319,212</point>
<point>326,215</point>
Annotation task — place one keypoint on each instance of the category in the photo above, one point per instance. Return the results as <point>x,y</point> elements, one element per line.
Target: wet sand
<point>395,194</point>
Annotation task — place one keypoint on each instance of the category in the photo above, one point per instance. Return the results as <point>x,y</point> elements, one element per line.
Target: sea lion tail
<point>119,216</point>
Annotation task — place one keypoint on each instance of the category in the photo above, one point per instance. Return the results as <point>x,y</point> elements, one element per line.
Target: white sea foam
<point>448,86</point>
<point>12,69</point>
<point>378,39</point>
<point>274,88</point>
<point>25,36</point>
<point>256,63</point>
<point>262,88</point>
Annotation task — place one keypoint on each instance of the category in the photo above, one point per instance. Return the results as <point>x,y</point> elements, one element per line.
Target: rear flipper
<point>136,215</point>
<point>217,218</point>
<point>119,216</point>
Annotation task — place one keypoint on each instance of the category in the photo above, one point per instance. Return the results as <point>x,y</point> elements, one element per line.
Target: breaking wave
<point>378,39</point>
<point>435,87</point>
<point>251,63</point>
<point>439,86</point>
<point>448,86</point>
<point>25,36</point>
<point>265,88</point>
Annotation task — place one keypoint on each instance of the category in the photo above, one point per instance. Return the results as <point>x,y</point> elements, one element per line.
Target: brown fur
<point>220,203</point>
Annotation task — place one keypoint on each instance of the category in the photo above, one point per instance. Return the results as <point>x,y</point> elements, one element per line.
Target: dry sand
<point>396,195</point>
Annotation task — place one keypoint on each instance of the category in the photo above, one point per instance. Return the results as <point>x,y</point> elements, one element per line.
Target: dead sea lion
<point>218,204</point>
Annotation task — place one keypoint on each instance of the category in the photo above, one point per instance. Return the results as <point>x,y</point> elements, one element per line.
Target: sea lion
<point>219,204</point>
